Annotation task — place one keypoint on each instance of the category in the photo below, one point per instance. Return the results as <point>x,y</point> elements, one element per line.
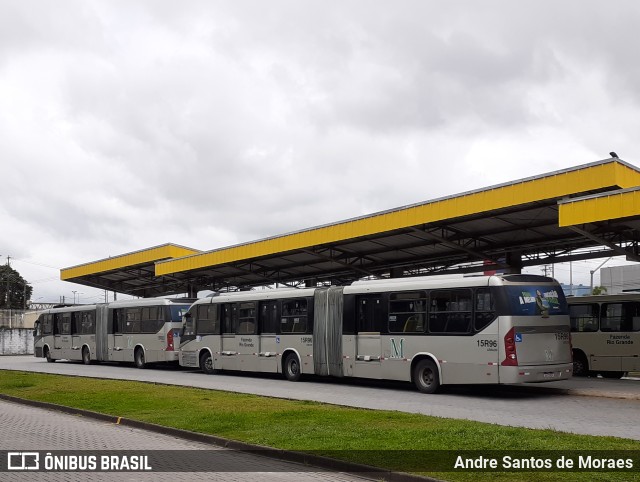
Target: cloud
<point>127,125</point>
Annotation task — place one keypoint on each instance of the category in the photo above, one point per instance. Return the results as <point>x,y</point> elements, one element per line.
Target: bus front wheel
<point>139,358</point>
<point>206,363</point>
<point>47,355</point>
<point>425,376</point>
<point>292,367</point>
<point>580,365</point>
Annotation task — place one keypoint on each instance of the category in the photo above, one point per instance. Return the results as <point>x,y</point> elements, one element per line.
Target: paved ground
<point>28,428</point>
<point>562,406</point>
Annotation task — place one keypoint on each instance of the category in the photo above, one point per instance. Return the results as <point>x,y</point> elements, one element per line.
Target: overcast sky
<point>129,124</point>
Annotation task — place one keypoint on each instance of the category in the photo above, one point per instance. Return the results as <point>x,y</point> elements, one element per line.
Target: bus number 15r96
<point>487,343</point>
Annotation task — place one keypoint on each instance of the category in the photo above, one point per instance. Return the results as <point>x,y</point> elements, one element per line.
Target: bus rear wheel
<point>580,365</point>
<point>292,368</point>
<point>47,355</point>
<point>425,376</point>
<point>206,363</point>
<point>86,356</point>
<point>138,358</point>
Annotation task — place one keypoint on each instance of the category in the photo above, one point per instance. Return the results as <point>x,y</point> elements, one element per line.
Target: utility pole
<point>595,271</point>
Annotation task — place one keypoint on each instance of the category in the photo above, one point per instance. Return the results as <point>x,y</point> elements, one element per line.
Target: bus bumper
<point>536,373</point>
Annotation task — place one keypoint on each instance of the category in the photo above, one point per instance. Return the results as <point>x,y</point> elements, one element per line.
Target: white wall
<point>619,279</point>
<point>16,341</point>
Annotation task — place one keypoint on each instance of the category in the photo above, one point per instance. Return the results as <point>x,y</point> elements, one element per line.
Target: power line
<point>36,264</point>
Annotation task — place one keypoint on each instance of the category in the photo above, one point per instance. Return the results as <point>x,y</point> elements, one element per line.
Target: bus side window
<point>152,319</point>
<point>612,317</point>
<point>207,322</point>
<point>294,316</point>
<point>64,323</point>
<point>247,318</point>
<point>450,311</point>
<point>133,320</point>
<point>485,311</point>
<point>88,324</point>
<point>632,317</point>
<point>407,312</point>
<point>47,325</point>
<point>584,318</point>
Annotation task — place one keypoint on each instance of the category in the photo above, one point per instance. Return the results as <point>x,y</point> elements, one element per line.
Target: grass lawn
<point>382,438</point>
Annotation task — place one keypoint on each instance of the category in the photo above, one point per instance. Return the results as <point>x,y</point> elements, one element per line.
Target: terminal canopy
<point>588,211</point>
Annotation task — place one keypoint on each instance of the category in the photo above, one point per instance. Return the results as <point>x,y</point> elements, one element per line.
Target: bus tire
<point>617,375</point>
<point>47,355</point>
<point>86,356</point>
<point>580,365</point>
<point>206,363</point>
<point>138,358</point>
<point>426,377</point>
<point>292,367</point>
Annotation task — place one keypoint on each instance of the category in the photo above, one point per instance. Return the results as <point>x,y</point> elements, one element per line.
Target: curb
<point>579,392</point>
<point>301,458</point>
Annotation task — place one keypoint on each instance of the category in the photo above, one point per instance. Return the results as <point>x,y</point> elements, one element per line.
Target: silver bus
<point>605,333</point>
<point>139,331</point>
<point>483,329</point>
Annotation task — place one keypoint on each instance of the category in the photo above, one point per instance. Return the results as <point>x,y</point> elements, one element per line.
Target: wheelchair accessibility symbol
<point>518,337</point>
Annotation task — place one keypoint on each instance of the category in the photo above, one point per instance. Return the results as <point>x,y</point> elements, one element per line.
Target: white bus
<point>605,334</point>
<point>485,329</point>
<point>140,331</point>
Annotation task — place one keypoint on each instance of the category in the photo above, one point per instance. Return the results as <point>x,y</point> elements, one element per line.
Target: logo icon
<point>518,337</point>
<point>23,461</point>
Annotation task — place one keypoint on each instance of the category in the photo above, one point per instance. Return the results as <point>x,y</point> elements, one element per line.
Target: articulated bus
<point>487,329</point>
<point>605,334</point>
<point>140,331</point>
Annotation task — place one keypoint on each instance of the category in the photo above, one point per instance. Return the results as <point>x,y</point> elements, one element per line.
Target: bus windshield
<point>536,300</point>
<point>178,311</point>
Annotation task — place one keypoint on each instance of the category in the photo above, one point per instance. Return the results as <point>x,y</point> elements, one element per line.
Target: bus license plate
<point>549,375</point>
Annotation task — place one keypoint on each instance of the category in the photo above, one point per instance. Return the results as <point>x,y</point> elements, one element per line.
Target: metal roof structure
<point>131,273</point>
<point>584,212</point>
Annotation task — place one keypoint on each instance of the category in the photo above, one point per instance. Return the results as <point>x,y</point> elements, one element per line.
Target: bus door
<point>118,338</point>
<point>247,339</point>
<point>76,339</point>
<point>369,322</point>
<point>229,348</point>
<point>38,336</point>
<point>62,338</point>
<point>268,319</point>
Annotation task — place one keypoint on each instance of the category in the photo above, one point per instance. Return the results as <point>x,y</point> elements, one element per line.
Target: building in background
<point>621,279</point>
<point>575,290</point>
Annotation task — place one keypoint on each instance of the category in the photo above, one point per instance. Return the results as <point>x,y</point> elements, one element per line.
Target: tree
<point>14,290</point>
<point>599,290</point>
